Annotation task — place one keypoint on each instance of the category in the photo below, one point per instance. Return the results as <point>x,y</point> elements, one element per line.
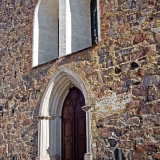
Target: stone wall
<point>122,74</point>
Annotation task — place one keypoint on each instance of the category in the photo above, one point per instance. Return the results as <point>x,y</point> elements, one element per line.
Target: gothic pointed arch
<point>49,125</point>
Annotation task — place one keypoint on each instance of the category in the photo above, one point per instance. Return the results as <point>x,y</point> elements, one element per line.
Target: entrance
<point>73,126</point>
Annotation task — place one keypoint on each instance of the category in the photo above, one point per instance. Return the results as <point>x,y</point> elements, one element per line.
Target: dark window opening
<point>94,22</point>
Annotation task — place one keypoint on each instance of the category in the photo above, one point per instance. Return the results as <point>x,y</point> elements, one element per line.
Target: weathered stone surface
<point>139,38</point>
<point>1,139</point>
<point>150,80</point>
<point>10,148</point>
<point>120,1</point>
<point>24,98</point>
<point>27,122</point>
<point>138,134</point>
<point>139,90</point>
<point>156,131</point>
<point>157,156</point>
<point>130,32</point>
<point>149,147</point>
<point>134,121</point>
<point>104,134</point>
<point>151,119</point>
<point>140,156</point>
<point>145,109</point>
<point>158,47</point>
<point>132,104</point>
<point>24,155</point>
<point>126,145</point>
<point>1,152</point>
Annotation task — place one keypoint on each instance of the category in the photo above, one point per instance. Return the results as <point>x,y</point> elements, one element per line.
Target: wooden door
<point>73,126</point>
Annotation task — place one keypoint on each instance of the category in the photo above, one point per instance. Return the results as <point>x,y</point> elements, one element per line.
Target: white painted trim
<point>46,158</point>
<point>88,156</point>
<point>35,36</point>
<point>62,28</point>
<point>88,131</point>
<point>45,32</point>
<point>98,20</point>
<point>49,131</point>
<point>68,28</point>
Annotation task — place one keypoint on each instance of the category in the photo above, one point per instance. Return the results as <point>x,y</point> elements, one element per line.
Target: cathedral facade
<point>79,79</point>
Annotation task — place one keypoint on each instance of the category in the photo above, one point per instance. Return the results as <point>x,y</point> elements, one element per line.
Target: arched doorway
<point>73,126</point>
<point>50,112</point>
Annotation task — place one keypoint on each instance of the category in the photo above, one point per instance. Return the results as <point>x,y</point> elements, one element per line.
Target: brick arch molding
<point>49,118</point>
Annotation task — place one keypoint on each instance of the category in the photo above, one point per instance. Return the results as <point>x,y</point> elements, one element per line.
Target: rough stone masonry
<point>124,66</point>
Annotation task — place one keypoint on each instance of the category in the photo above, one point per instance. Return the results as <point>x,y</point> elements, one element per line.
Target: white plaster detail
<point>46,117</point>
<point>62,28</point>
<point>49,125</point>
<point>68,28</point>
<point>98,20</point>
<point>35,36</point>
<point>113,102</point>
<point>45,158</point>
<point>74,26</point>
<point>88,156</point>
<point>86,108</point>
<point>45,32</point>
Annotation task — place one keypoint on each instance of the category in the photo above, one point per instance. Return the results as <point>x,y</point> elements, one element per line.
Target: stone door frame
<point>49,118</point>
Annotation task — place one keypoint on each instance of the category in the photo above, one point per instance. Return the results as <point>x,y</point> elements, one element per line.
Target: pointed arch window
<point>64,27</point>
